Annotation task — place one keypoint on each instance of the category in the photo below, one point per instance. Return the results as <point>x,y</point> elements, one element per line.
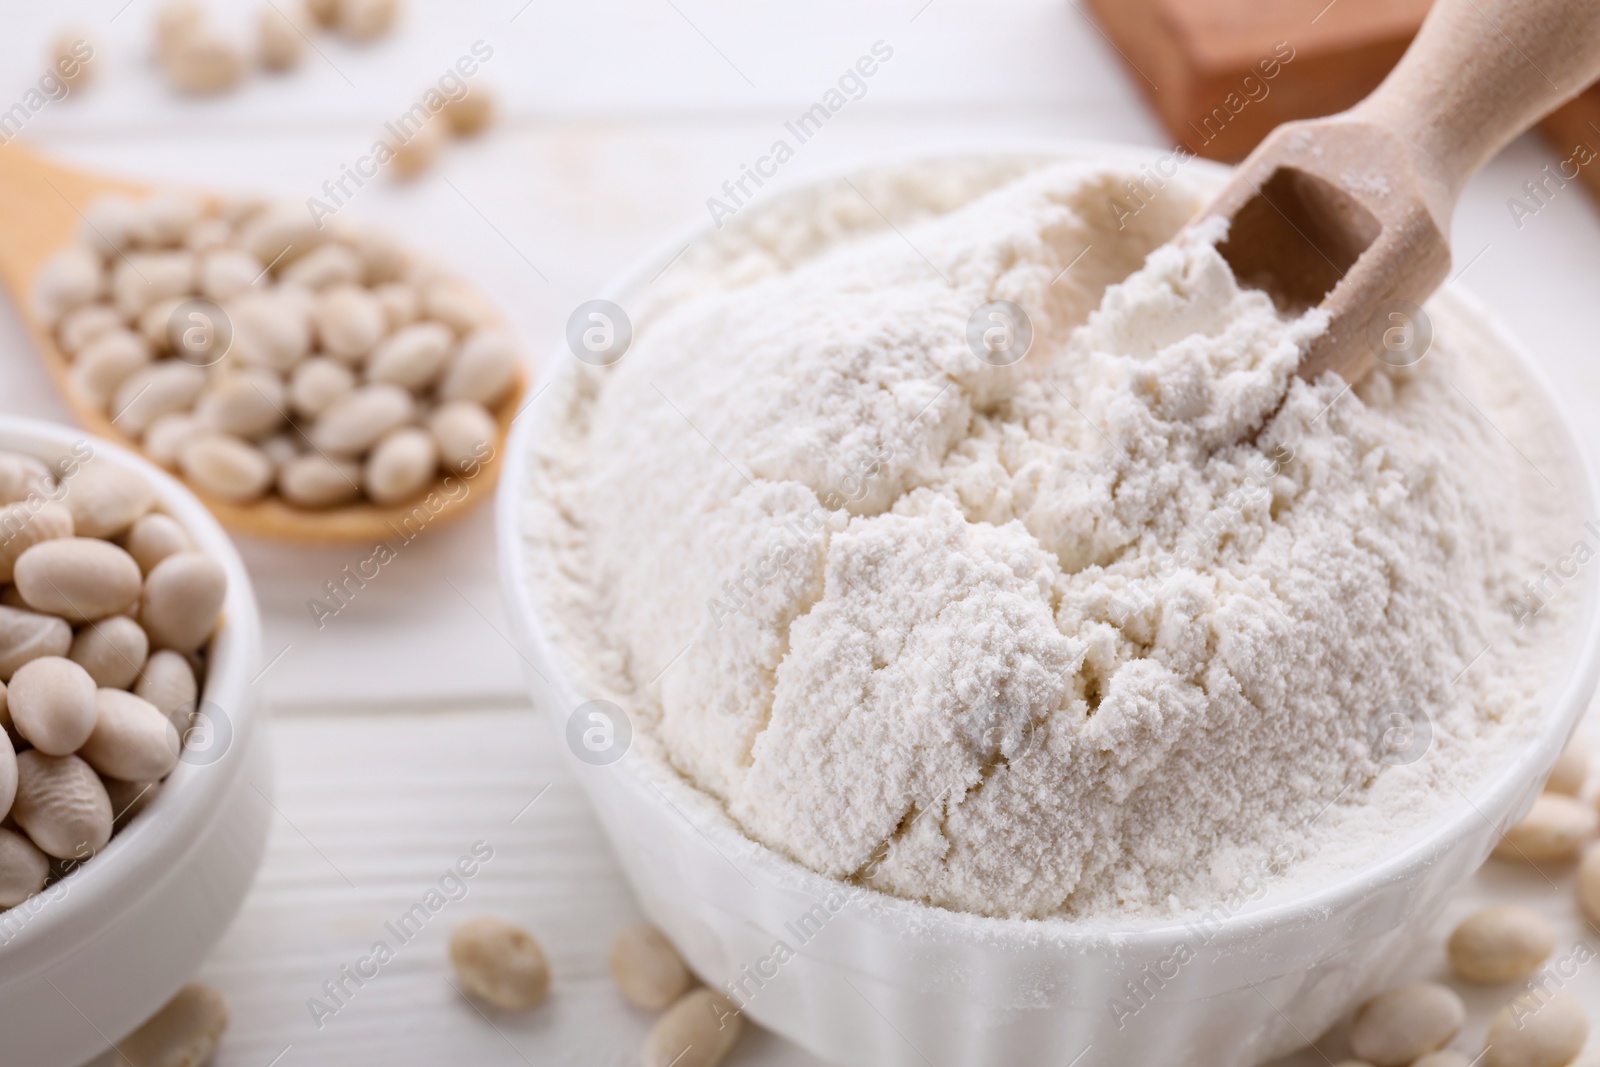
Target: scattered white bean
<point>168,682</point>
<point>500,963</point>
<point>1500,944</point>
<point>61,804</point>
<point>225,466</point>
<point>365,20</point>
<point>184,1033</point>
<point>325,12</point>
<point>132,740</point>
<point>282,43</point>
<point>415,152</point>
<point>1537,1029</point>
<point>72,57</point>
<point>23,867</point>
<point>22,526</point>
<point>112,651</point>
<point>182,600</point>
<point>77,578</point>
<point>27,635</point>
<point>469,115</point>
<point>1553,830</point>
<point>354,423</point>
<point>647,969</point>
<point>698,1031</point>
<point>175,20</point>
<point>312,480</point>
<point>204,62</point>
<point>52,704</point>
<point>1400,1024</point>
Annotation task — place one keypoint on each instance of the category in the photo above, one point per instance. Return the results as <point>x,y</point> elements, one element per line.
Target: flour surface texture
<point>1118,630</point>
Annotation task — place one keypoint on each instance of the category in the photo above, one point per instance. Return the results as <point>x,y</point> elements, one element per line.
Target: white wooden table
<point>403,734</point>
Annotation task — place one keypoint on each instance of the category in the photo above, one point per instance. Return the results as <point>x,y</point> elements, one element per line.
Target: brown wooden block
<point>1222,73</point>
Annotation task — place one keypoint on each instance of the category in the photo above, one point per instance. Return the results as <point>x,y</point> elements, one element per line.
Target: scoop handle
<point>1479,73</point>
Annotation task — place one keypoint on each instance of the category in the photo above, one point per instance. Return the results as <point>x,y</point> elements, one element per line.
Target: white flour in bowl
<point>1108,632</point>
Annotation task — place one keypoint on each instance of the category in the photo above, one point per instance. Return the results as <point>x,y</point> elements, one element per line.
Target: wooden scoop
<point>1352,212</point>
<point>40,206</point>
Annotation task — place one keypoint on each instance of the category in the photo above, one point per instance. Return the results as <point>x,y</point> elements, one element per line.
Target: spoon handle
<point>1479,73</point>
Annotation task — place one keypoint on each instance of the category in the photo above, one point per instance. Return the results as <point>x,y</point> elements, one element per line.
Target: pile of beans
<point>502,964</point>
<point>1542,1026</point>
<point>106,610</point>
<point>199,56</point>
<point>256,353</point>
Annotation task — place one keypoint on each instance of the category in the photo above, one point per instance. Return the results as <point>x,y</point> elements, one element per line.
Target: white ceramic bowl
<point>884,982</point>
<point>98,953</point>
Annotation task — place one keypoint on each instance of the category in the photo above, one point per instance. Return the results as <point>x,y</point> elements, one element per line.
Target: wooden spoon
<point>1352,212</point>
<point>40,212</point>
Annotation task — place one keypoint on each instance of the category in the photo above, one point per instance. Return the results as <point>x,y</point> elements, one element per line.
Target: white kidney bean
<point>72,277</point>
<point>312,480</point>
<point>225,466</point>
<point>1589,884</point>
<point>354,423</point>
<point>61,804</point>
<point>400,466</point>
<point>77,578</point>
<point>456,304</point>
<point>22,526</point>
<point>8,763</point>
<point>500,963</point>
<point>1443,1058</point>
<point>182,600</point>
<point>332,264</point>
<point>412,357</point>
<point>249,403</point>
<point>207,235</point>
<point>400,303</point>
<point>184,1033</point>
<point>164,438</point>
<point>153,538</point>
<point>21,476</point>
<point>23,867</point>
<point>279,230</point>
<point>1405,1022</point>
<point>162,388</point>
<point>1500,944</point>
<point>109,224</point>
<point>317,383</point>
<point>52,704</point>
<point>281,43</point>
<point>385,258</point>
<point>106,362</point>
<point>698,1031</point>
<point>106,499</point>
<point>142,278</point>
<point>410,155</point>
<point>482,370</point>
<point>272,329</point>
<point>464,432</point>
<point>1537,1029</point>
<point>168,682</point>
<point>165,218</point>
<point>1553,830</point>
<point>227,272</point>
<point>647,969</point>
<point>83,324</point>
<point>349,321</point>
<point>112,651</point>
<point>132,740</point>
<point>27,635</point>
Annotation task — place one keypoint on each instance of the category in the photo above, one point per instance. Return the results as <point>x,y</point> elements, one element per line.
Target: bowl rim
<point>144,853</point>
<point>1564,697</point>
